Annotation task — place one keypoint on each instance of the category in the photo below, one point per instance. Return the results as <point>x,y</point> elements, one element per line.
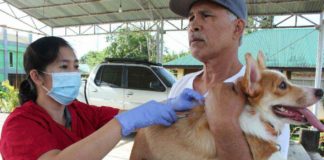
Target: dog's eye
<point>283,85</point>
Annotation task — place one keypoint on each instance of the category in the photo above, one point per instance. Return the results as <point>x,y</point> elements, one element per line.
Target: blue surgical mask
<point>65,86</point>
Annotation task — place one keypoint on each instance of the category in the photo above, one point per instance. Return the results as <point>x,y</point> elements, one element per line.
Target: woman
<point>51,124</point>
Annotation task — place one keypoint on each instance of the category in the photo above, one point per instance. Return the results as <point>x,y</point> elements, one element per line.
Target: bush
<point>8,97</point>
<point>295,133</point>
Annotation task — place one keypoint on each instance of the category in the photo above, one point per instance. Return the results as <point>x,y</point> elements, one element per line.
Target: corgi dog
<point>271,102</point>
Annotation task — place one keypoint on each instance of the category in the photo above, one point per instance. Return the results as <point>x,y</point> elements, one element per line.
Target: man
<point>215,32</point>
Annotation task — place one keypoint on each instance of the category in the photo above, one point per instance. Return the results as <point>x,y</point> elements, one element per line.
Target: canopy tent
<point>84,12</point>
<point>79,17</point>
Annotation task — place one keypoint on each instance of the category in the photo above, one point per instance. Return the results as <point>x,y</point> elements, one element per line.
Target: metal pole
<point>160,32</point>
<point>5,52</point>
<point>30,38</point>
<point>319,60</point>
<point>161,43</point>
<point>158,44</point>
<point>17,59</point>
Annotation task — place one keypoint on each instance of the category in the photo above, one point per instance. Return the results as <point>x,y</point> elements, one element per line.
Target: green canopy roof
<point>187,60</point>
<point>290,47</point>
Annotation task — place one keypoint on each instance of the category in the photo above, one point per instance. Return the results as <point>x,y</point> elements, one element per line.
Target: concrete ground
<point>120,152</point>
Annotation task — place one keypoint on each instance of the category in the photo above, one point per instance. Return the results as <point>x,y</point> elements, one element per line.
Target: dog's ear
<point>261,60</point>
<point>252,76</point>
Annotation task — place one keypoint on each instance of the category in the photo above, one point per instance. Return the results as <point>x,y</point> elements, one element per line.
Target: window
<point>143,79</point>
<point>165,76</point>
<point>109,76</point>
<point>10,59</point>
<point>97,80</point>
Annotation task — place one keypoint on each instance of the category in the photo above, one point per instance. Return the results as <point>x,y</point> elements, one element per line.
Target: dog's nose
<point>319,93</point>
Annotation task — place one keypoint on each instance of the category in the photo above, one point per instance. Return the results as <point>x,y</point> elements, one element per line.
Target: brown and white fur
<point>271,99</point>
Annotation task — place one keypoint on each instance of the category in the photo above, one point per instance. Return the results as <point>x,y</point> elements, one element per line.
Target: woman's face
<point>65,62</point>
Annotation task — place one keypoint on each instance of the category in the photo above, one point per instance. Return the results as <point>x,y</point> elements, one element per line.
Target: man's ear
<point>252,76</point>
<point>239,28</point>
<point>35,77</point>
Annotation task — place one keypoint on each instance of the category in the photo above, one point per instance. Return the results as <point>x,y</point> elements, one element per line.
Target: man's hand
<point>224,105</point>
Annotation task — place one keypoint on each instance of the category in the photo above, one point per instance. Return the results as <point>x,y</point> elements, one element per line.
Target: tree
<point>172,56</point>
<point>259,22</point>
<point>8,97</point>
<point>251,26</point>
<point>126,44</point>
<point>132,44</point>
<point>93,58</point>
<point>266,21</point>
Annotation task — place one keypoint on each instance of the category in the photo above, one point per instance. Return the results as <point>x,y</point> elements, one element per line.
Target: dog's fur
<point>190,138</point>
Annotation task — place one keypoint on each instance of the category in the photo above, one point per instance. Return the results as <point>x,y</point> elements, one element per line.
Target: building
<point>12,47</point>
<point>291,50</point>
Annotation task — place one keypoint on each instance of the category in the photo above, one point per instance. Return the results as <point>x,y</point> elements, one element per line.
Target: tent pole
<point>319,61</point>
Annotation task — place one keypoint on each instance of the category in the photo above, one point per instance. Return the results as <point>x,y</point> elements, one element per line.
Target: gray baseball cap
<point>237,7</point>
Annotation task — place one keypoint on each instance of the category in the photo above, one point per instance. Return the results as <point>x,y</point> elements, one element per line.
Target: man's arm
<point>230,142</point>
<point>224,105</point>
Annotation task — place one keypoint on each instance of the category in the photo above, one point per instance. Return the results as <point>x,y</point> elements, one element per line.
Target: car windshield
<point>165,76</point>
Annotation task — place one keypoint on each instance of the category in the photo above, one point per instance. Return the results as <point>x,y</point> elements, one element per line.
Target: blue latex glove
<point>155,113</point>
<point>187,100</point>
<point>150,113</point>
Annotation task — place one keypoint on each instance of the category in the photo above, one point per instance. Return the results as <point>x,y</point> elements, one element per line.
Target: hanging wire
<point>120,9</point>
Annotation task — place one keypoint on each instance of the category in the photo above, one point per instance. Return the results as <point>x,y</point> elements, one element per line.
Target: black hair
<point>38,56</point>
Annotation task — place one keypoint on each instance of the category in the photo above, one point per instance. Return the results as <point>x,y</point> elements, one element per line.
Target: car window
<point>144,79</point>
<point>109,76</point>
<point>165,75</point>
<point>97,80</point>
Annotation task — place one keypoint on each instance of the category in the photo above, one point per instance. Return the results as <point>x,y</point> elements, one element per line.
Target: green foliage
<point>321,143</point>
<point>295,131</point>
<point>259,22</point>
<point>251,26</point>
<point>172,56</point>
<point>132,44</point>
<point>265,21</point>
<point>127,43</point>
<point>93,58</point>
<point>8,97</point>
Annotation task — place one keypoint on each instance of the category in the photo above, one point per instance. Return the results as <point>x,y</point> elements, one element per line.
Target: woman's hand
<point>155,113</point>
<point>187,100</point>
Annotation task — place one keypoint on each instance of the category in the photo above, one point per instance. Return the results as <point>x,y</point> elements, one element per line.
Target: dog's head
<point>276,99</point>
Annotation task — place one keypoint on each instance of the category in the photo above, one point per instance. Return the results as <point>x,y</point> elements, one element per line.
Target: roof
<point>63,13</point>
<point>290,47</point>
<point>283,47</point>
<point>184,61</point>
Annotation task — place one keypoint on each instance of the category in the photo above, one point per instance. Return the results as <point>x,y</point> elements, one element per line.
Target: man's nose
<point>194,25</point>
<point>195,29</point>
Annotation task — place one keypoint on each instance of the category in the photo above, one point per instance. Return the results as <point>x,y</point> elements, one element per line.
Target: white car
<point>125,84</point>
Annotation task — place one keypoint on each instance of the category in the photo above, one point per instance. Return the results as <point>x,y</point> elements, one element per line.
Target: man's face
<point>211,31</point>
